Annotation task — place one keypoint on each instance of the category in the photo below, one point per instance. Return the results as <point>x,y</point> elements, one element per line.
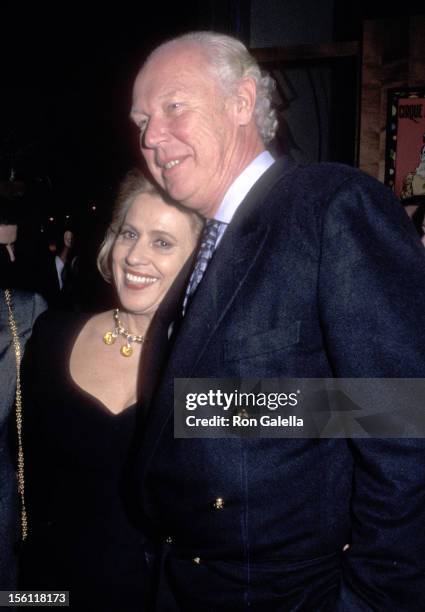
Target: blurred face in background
<point>8,235</point>
<point>8,272</point>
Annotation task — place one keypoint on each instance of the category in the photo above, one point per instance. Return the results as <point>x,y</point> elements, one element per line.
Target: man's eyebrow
<point>169,93</point>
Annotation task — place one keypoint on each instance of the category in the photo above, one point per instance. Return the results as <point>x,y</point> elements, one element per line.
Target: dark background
<point>66,72</point>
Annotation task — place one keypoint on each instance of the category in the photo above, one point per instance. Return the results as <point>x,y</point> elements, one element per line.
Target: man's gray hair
<point>231,61</point>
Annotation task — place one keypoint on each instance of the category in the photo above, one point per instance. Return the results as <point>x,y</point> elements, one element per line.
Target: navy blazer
<point>319,274</point>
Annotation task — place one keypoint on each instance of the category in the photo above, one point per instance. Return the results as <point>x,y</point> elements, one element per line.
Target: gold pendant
<point>109,338</point>
<point>126,350</point>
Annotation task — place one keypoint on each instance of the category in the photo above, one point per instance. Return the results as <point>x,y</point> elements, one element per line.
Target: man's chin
<point>176,191</point>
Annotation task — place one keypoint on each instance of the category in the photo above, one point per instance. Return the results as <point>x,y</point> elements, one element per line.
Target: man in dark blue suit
<point>317,272</point>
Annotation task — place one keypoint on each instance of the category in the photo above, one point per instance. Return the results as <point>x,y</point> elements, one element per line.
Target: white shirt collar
<point>59,267</point>
<point>240,187</point>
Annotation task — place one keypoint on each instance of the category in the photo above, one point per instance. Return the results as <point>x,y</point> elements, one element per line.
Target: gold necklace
<point>18,403</point>
<point>109,338</point>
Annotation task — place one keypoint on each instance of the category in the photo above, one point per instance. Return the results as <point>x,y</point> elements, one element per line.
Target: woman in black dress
<point>80,379</point>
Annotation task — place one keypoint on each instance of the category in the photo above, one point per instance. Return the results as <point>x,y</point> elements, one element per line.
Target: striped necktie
<point>209,240</point>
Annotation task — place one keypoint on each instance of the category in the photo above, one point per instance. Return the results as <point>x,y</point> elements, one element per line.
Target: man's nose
<point>155,132</point>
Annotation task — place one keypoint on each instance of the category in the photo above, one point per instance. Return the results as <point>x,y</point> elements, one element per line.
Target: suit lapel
<point>241,245</point>
<point>223,279</point>
<point>157,345</point>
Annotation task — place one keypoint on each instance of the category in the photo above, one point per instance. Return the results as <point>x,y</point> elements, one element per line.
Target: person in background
<point>23,308</point>
<point>314,272</point>
<point>59,269</point>
<point>18,312</point>
<point>8,237</point>
<point>80,397</point>
<point>22,263</point>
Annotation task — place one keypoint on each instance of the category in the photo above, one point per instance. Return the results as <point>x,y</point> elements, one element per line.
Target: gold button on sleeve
<point>219,503</point>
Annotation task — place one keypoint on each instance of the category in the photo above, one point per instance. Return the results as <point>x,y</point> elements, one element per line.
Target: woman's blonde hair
<point>134,184</point>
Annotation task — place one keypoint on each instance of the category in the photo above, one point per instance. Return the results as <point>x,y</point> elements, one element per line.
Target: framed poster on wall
<point>405,145</point>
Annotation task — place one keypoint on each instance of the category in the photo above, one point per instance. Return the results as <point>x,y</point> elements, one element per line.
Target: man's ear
<point>246,95</point>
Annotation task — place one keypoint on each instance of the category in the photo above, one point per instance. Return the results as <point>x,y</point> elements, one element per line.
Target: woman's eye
<point>163,244</point>
<point>128,235</point>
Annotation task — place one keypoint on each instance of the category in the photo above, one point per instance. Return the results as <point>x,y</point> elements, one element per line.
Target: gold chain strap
<point>18,402</point>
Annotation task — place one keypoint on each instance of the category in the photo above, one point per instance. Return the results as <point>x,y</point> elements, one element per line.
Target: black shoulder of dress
<point>57,330</point>
<point>56,320</point>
